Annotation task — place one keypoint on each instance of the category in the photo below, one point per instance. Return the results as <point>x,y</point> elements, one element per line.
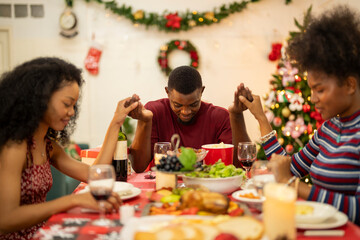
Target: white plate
<point>320,212</point>
<point>236,195</point>
<point>337,220</point>
<point>135,192</point>
<point>121,187</point>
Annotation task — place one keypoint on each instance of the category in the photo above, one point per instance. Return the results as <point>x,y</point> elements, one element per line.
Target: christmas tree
<point>287,106</point>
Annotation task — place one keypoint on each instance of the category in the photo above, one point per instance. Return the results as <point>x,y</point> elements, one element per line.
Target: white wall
<point>231,52</point>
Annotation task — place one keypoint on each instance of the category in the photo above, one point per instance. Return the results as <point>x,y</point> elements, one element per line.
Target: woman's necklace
<point>340,127</point>
<point>42,149</point>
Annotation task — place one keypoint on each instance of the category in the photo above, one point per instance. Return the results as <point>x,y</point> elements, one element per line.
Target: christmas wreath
<point>177,45</point>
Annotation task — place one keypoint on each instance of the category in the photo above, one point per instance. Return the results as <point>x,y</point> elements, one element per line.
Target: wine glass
<point>160,150</point>
<point>246,155</point>
<point>261,175</point>
<point>101,182</point>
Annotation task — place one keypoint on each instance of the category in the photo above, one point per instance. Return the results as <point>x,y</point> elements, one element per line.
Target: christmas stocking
<point>92,59</point>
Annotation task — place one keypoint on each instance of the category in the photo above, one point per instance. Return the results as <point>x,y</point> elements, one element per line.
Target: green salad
<point>217,170</point>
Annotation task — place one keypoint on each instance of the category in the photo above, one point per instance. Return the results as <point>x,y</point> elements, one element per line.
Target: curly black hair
<point>24,95</point>
<point>330,44</point>
<point>184,79</point>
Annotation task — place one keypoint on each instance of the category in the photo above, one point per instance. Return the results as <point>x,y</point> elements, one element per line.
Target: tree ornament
<point>177,45</point>
<point>296,102</point>
<point>271,99</point>
<point>295,128</point>
<point>277,121</point>
<point>309,128</point>
<point>281,141</point>
<point>266,96</point>
<point>292,117</point>
<point>285,112</point>
<point>289,148</point>
<point>284,96</point>
<point>270,116</point>
<point>306,108</point>
<point>288,73</point>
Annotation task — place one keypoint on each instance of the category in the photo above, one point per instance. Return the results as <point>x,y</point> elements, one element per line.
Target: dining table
<point>75,224</point>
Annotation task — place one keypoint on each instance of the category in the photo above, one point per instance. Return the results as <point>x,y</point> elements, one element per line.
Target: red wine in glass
<point>246,155</point>
<point>101,193</point>
<point>101,181</point>
<point>246,163</point>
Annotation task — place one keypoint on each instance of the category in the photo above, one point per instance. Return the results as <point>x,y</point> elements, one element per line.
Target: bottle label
<point>120,150</point>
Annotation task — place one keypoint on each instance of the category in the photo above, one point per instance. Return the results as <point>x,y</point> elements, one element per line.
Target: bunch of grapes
<point>169,164</point>
<point>199,166</point>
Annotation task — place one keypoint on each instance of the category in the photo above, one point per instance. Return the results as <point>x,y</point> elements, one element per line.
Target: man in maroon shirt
<point>184,113</point>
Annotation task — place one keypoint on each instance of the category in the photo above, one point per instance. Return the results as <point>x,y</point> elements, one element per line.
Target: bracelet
<point>271,134</point>
<point>291,180</point>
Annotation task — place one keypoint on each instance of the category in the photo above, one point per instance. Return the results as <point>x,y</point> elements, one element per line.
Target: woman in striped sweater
<point>329,50</point>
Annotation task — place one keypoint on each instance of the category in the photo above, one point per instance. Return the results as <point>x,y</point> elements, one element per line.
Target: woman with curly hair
<point>38,109</point>
<point>329,50</point>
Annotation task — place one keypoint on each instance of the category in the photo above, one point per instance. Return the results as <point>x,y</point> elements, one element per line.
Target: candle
<point>126,212</point>
<point>164,180</point>
<point>279,211</point>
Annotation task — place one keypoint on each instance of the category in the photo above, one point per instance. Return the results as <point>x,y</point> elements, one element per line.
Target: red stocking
<point>92,59</point>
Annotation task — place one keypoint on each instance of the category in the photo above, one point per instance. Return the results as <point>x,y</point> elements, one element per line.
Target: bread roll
<point>244,228</point>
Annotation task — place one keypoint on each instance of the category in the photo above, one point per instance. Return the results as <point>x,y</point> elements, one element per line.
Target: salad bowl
<point>224,185</point>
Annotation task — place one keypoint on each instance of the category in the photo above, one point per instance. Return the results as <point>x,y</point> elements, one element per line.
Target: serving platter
<point>204,223</point>
<point>147,208</point>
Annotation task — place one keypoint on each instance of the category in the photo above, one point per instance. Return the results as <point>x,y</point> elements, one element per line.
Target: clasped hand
<point>238,107</point>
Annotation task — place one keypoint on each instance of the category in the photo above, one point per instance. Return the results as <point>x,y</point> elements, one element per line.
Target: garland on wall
<point>177,45</point>
<point>175,21</point>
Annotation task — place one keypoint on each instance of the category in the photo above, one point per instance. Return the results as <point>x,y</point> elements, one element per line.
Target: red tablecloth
<point>75,224</point>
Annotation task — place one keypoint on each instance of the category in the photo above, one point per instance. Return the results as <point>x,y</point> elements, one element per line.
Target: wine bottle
<point>120,159</point>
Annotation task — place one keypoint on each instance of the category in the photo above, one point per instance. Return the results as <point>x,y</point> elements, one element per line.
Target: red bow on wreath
<point>173,20</point>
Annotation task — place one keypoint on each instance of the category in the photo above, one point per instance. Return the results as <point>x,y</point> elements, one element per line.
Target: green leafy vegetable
<point>187,159</point>
<point>217,170</point>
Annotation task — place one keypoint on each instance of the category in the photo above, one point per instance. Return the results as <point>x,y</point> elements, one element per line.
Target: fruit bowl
<point>225,185</point>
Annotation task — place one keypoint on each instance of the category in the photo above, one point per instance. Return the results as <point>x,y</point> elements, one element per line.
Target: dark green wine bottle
<point>120,158</point>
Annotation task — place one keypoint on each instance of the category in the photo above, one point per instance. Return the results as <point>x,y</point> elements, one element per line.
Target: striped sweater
<point>332,158</point>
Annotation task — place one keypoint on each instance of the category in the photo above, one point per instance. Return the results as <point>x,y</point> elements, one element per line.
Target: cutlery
<point>324,233</point>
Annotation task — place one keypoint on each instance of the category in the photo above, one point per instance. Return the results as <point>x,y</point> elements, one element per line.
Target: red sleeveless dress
<point>36,182</point>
